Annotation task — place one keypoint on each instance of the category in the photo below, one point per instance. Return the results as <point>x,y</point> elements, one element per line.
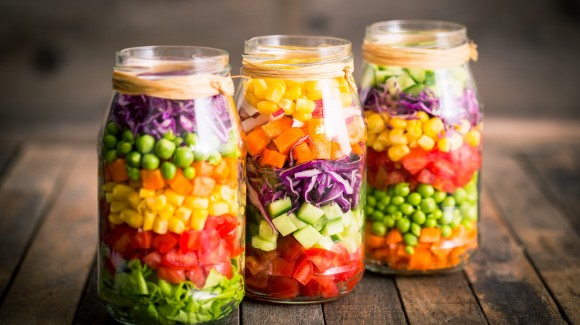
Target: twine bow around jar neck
<point>170,85</point>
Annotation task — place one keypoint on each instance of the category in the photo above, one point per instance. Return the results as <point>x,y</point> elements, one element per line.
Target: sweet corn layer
<point>166,210</point>
<point>398,135</point>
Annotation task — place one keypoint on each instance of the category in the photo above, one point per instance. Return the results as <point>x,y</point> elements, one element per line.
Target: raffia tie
<point>410,57</point>
<point>292,69</point>
<point>179,88</point>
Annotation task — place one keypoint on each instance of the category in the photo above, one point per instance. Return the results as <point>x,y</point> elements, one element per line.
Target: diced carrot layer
<point>355,128</point>
<point>320,148</point>
<point>430,235</point>
<point>276,127</point>
<point>203,168</point>
<point>287,139</point>
<point>203,186</point>
<point>335,151</point>
<point>119,170</point>
<point>374,241</point>
<point>273,158</point>
<point>256,141</point>
<point>394,237</point>
<point>302,153</point>
<point>152,179</point>
<point>221,171</point>
<point>180,184</point>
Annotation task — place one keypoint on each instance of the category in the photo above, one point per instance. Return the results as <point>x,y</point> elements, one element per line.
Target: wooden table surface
<point>527,270</point>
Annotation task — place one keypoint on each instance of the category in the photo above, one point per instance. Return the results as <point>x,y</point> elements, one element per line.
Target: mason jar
<point>305,169</point>
<point>424,124</point>
<point>171,191</point>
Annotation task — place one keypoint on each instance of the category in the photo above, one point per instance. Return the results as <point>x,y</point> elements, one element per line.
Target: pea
<point>409,250</point>
<point>398,215</point>
<point>448,202</point>
<point>445,231</point>
<point>190,139</point>
<point>150,161</point>
<point>371,201</point>
<point>200,156</point>
<point>110,141</point>
<point>415,229</point>
<point>471,213</point>
<point>183,157</point>
<point>133,159</point>
<point>472,197</point>
<point>410,239</point>
<point>168,170</point>
<point>128,136</point>
<point>430,223</point>
<point>377,216</point>
<point>439,196</point>
<point>380,194</point>
<point>124,148</point>
<point>428,205</point>
<point>437,214</point>
<point>391,208</point>
<point>468,225</point>
<point>381,207</point>
<point>189,172</point>
<point>112,128</point>
<point>419,217</point>
<point>455,223</point>
<point>145,143</point>
<point>169,136</point>
<point>378,229</point>
<point>133,173</point>
<point>402,189</point>
<point>425,190</point>
<point>403,225</point>
<point>471,187</point>
<point>389,221</point>
<point>164,148</point>
<point>178,141</point>
<point>460,195</point>
<point>110,155</point>
<point>414,199</point>
<point>406,208</point>
<point>446,218</point>
<point>398,200</point>
<point>369,210</point>
<point>386,200</point>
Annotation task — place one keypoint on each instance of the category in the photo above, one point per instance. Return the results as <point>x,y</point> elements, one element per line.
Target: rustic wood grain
<point>7,153</point>
<point>550,242</point>
<point>25,193</point>
<point>373,301</point>
<point>53,274</point>
<point>439,299</point>
<point>506,285</point>
<point>258,313</point>
<point>559,169</point>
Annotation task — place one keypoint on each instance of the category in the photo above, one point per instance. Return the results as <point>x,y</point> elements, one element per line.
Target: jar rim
<point>177,59</point>
<point>417,33</point>
<point>299,46</point>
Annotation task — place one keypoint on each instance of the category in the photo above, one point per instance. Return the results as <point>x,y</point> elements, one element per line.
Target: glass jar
<point>424,138</point>
<point>171,191</point>
<point>305,169</point>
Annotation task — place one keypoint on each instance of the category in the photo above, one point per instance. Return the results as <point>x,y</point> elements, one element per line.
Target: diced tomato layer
<point>196,275</point>
<point>175,258</point>
<point>171,275</point>
<point>164,243</point>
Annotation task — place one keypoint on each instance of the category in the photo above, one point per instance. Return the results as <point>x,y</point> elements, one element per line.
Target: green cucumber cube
<point>307,236</point>
<point>405,81</point>
<point>262,244</point>
<point>310,213</point>
<point>348,219</point>
<point>320,224</point>
<point>336,238</point>
<point>333,227</point>
<point>417,74</point>
<point>284,224</point>
<point>266,232</point>
<point>325,243</point>
<point>332,211</point>
<point>299,223</point>
<point>278,207</point>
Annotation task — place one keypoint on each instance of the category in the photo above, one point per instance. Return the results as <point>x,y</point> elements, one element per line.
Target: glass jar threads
<point>171,196</point>
<point>305,169</point>
<point>424,147</point>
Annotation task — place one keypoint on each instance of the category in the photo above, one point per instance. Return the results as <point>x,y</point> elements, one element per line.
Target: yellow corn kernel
<point>183,213</point>
<point>473,138</point>
<point>412,144</point>
<point>251,98</point>
<point>233,208</point>
<point>426,143</point>
<point>167,211</point>
<point>225,192</point>
<point>312,86</point>
<point>134,200</point>
<point>305,106</point>
<point>287,105</point>
<point>456,141</point>
<point>379,146</point>
<point>375,123</point>
<point>398,123</point>
<point>368,113</point>
<point>346,99</point>
<point>275,92</point>
<point>115,219</point>
<point>145,193</point>
<point>462,127</point>
<point>118,206</point>
<point>444,145</point>
<point>156,203</point>
<point>196,203</point>
<point>371,137</point>
<point>214,197</point>
<point>384,137</point>
<point>412,123</point>
<point>148,220</point>
<point>432,127</point>
<point>397,136</point>
<point>266,107</point>
<point>121,191</point>
<point>174,198</point>
<point>385,116</point>
<point>414,132</point>
<point>109,197</point>
<point>250,87</point>
<point>260,88</point>
<point>293,92</point>
<point>175,225</point>
<point>293,83</point>
<point>398,151</point>
<point>108,187</point>
<point>423,117</point>
<point>198,219</point>
<point>218,208</point>
<point>314,95</point>
<point>132,218</point>
<point>160,226</point>
<point>302,117</point>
